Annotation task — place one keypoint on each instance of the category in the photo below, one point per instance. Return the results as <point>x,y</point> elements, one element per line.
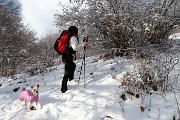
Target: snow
<point>176,38</point>
<point>100,99</point>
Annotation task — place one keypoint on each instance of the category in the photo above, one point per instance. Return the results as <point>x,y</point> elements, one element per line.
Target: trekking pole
<point>81,64</point>
<point>80,71</point>
<point>85,40</point>
<point>84,64</point>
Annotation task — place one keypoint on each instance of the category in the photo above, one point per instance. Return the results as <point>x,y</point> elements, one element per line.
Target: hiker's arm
<point>74,44</point>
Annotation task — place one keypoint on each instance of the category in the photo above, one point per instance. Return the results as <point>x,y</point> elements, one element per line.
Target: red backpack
<point>61,44</point>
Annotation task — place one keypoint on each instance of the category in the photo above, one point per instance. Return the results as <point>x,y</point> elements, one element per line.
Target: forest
<point>138,29</point>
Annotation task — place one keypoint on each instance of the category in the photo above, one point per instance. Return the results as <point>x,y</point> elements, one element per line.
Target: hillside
<point>100,99</point>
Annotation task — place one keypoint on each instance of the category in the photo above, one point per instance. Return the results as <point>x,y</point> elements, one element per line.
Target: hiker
<point>69,56</point>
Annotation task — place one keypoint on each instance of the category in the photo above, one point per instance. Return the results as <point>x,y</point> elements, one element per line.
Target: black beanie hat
<point>73,30</point>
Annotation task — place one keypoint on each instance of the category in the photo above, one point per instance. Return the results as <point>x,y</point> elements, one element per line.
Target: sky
<point>39,14</point>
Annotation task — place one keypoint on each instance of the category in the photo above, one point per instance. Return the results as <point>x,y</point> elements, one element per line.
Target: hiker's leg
<point>67,59</point>
<point>71,71</point>
<point>65,78</point>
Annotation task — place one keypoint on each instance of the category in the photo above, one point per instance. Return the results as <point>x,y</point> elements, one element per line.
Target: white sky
<point>39,14</point>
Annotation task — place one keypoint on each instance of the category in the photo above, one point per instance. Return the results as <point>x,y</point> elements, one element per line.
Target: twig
<point>149,105</point>
<point>160,95</point>
<point>122,105</point>
<point>158,114</point>
<point>147,114</point>
<point>176,102</point>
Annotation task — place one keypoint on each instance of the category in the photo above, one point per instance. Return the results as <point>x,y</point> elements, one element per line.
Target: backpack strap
<point>75,36</point>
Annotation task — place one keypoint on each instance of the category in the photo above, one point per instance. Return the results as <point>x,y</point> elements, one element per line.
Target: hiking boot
<point>71,78</point>
<point>64,89</point>
<point>64,86</point>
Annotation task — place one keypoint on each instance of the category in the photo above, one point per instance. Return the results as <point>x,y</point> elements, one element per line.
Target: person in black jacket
<point>68,58</point>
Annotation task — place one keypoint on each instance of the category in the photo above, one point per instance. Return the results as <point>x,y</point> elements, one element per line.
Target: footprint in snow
<point>67,97</point>
<point>101,102</point>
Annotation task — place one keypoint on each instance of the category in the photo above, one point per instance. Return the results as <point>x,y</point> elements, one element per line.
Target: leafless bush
<point>36,69</point>
<point>124,24</point>
<point>113,75</point>
<point>155,72</point>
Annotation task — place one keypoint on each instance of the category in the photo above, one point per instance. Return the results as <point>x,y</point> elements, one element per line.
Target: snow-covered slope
<point>100,99</point>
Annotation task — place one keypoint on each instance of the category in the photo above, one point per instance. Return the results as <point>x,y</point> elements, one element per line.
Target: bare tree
<point>123,23</point>
<point>15,38</point>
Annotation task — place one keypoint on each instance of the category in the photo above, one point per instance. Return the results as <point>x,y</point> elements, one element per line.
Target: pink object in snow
<point>28,95</point>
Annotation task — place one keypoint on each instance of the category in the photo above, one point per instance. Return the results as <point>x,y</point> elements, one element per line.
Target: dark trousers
<point>69,69</point>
